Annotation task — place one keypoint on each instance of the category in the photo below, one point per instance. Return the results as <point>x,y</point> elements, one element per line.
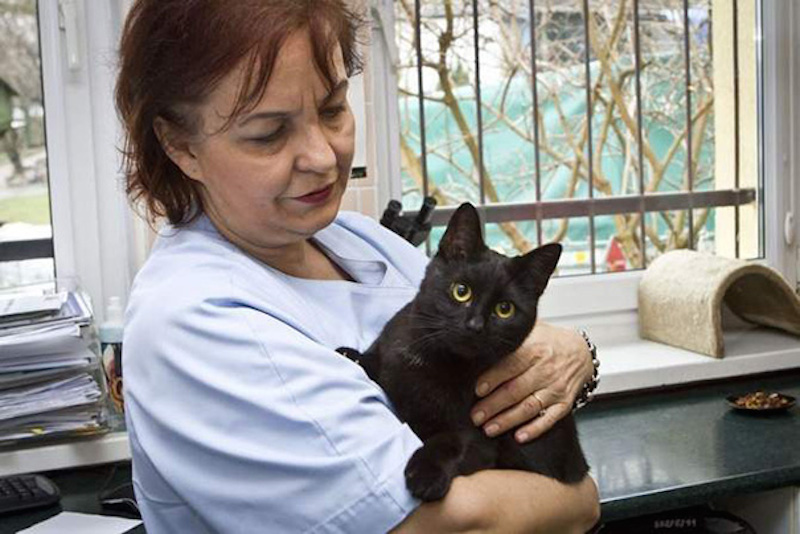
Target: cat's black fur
<point>429,356</point>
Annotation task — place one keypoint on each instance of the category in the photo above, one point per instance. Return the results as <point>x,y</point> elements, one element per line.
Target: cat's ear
<point>537,266</point>
<point>462,240</point>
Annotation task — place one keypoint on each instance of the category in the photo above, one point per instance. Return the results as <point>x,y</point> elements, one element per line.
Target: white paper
<point>81,419</point>
<point>75,310</point>
<point>62,359</point>
<point>22,304</point>
<point>23,378</point>
<point>50,340</point>
<point>49,396</point>
<point>83,523</point>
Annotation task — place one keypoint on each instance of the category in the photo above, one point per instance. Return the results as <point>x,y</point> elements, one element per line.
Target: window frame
<point>94,240</point>
<point>603,293</point>
<point>780,36</point>
<point>99,241</point>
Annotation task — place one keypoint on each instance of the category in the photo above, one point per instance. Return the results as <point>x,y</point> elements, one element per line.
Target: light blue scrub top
<point>241,416</point>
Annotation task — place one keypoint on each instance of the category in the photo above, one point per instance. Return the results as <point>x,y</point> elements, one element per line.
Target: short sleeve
<point>257,428</point>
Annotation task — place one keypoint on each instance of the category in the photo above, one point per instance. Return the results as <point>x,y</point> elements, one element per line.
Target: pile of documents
<point>50,377</point>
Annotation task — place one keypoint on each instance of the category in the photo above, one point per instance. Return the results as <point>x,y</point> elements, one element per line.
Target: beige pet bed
<point>681,296</point>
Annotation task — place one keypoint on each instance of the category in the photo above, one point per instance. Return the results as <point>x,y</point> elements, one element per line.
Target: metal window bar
<point>689,173</point>
<point>567,208</point>
<point>589,148</point>
<point>30,249</point>
<point>423,157</point>
<point>760,121</point>
<point>736,133</point>
<point>535,89</point>
<point>478,103</point>
<point>639,127</point>
<point>573,207</point>
<point>423,146</point>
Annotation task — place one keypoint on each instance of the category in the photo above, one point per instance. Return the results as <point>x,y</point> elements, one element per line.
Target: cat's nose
<point>475,324</point>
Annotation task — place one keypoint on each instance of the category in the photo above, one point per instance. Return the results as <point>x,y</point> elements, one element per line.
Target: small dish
<point>761,402</point>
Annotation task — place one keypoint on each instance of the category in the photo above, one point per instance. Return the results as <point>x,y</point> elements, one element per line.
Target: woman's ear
<point>178,149</point>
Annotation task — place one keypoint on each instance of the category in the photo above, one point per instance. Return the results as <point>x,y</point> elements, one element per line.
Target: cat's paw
<point>426,479</point>
<point>351,354</point>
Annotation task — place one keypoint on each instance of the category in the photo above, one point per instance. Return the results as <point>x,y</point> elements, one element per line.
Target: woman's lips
<point>317,197</point>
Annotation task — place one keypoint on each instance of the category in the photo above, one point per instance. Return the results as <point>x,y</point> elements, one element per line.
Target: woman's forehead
<point>294,78</point>
<point>296,70</point>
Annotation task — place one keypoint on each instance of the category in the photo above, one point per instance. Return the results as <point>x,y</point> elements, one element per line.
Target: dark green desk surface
<point>660,451</point>
<point>649,452</point>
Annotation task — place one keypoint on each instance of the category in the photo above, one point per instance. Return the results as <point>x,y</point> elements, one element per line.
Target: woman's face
<point>277,174</point>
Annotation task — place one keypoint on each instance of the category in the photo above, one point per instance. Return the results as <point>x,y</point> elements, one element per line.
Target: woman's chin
<point>330,208</point>
<point>321,216</point>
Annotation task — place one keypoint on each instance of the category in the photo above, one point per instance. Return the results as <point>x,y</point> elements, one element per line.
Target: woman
<point>241,416</point>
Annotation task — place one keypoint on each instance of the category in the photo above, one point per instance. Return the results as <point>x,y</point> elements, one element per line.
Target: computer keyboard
<point>19,492</point>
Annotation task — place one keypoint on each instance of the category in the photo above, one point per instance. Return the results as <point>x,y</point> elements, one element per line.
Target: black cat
<point>474,307</point>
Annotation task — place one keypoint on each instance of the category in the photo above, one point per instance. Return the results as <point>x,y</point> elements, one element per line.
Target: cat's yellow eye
<point>461,292</point>
<point>504,309</point>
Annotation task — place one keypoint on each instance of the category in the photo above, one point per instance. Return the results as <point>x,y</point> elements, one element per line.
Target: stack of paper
<point>49,367</point>
<point>48,348</point>
<point>20,311</point>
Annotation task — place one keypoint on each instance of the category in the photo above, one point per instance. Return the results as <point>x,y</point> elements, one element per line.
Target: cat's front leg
<point>444,456</point>
<point>369,361</point>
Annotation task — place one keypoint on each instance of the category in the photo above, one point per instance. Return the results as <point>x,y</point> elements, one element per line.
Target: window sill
<point>629,363</point>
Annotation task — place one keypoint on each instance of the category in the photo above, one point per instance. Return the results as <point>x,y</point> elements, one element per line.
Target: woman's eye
<point>332,113</point>
<point>460,292</point>
<point>271,138</point>
<point>504,309</point>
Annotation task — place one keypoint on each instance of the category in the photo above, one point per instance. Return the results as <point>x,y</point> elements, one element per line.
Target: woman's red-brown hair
<point>174,52</point>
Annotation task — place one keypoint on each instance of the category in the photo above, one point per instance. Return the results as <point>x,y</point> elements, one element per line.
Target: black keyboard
<point>20,492</point>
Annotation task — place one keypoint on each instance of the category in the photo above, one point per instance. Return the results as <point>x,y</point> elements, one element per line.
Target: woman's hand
<point>537,384</point>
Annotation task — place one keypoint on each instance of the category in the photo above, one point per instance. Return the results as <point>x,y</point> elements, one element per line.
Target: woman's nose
<point>316,152</point>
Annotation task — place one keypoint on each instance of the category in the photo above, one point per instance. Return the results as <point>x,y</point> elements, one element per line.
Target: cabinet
<point>769,512</point>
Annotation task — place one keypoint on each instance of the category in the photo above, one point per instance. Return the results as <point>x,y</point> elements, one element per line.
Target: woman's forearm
<point>496,501</point>
<point>528,502</point>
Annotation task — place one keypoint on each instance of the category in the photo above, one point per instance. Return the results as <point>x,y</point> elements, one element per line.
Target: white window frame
<point>781,57</point>
<point>98,240</point>
<point>95,241</point>
<point>616,292</point>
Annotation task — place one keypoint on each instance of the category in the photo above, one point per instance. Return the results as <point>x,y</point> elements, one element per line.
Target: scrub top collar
<point>364,264</point>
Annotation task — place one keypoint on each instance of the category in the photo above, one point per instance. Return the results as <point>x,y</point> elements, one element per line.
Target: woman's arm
<point>508,502</point>
<point>242,423</point>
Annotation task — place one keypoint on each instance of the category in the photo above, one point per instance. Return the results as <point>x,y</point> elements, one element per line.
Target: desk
<point>661,451</point>
<point>650,452</point>
<point>80,490</point>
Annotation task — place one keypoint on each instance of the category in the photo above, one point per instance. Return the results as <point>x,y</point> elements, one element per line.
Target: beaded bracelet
<point>587,393</point>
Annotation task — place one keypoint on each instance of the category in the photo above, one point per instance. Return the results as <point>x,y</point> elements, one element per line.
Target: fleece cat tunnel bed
<point>682,293</point>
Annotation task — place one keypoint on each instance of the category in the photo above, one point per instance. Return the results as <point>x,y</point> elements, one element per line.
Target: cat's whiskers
<point>421,341</point>
<point>432,333</point>
<point>425,316</point>
<point>420,344</point>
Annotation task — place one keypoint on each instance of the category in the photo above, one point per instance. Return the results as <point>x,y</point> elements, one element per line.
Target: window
<point>656,100</point>
<point>85,233</point>
<point>26,243</point>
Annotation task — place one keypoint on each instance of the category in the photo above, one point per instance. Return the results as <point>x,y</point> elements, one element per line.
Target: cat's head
<point>482,303</point>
